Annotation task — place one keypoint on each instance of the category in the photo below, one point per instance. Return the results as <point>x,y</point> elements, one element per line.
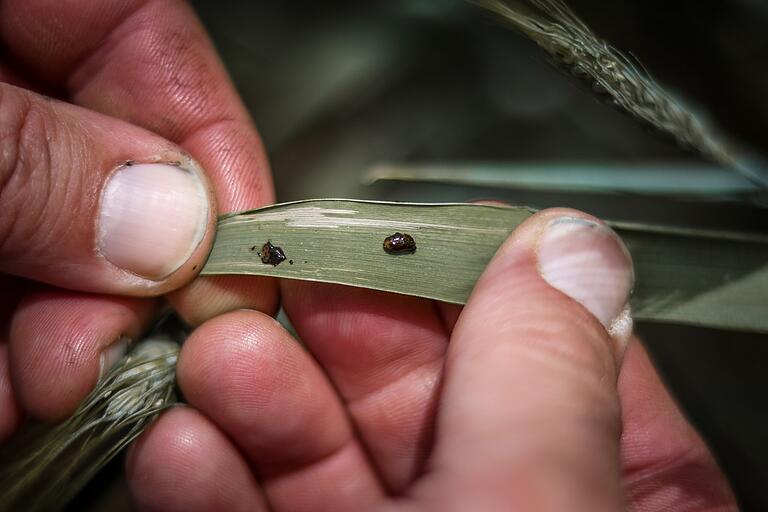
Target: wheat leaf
<point>707,278</point>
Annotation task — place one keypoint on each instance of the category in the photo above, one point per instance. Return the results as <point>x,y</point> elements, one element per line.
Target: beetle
<point>399,243</point>
<point>271,254</point>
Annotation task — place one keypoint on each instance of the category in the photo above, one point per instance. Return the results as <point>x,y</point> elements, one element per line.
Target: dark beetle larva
<point>399,243</point>
<point>271,254</point>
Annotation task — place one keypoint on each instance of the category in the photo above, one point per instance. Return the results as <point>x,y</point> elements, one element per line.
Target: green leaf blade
<point>683,276</point>
<point>337,241</point>
<point>699,280</point>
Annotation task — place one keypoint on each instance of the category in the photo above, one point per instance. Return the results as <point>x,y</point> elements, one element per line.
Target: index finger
<point>152,64</point>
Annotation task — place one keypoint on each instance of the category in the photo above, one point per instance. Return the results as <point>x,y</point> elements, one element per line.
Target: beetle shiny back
<point>399,243</point>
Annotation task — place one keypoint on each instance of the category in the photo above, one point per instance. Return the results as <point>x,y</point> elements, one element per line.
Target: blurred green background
<point>337,87</point>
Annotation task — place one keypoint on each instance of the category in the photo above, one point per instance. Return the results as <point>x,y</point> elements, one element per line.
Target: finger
<point>75,217</point>
<point>183,462</point>
<point>529,415</point>
<point>208,297</point>
<point>259,386</point>
<point>61,342</point>
<point>667,465</point>
<point>151,63</point>
<point>384,353</point>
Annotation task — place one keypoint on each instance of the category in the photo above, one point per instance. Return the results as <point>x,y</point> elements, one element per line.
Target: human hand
<point>527,399</point>
<point>135,81</point>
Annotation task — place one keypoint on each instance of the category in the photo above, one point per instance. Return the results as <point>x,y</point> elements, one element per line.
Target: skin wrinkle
<point>41,154</point>
<point>74,190</point>
<point>23,176</point>
<point>691,456</point>
<point>347,486</point>
<point>9,129</point>
<point>371,394</point>
<point>11,207</point>
<point>275,472</point>
<point>679,487</point>
<point>373,411</point>
<point>650,479</point>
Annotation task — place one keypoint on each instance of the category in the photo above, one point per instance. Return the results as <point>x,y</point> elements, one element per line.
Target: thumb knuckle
<point>26,190</point>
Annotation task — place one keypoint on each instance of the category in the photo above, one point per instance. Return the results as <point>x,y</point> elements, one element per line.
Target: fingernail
<point>588,262</point>
<point>112,354</point>
<point>152,218</point>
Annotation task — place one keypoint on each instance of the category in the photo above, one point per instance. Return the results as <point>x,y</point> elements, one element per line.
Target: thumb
<point>92,203</point>
<point>530,413</point>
